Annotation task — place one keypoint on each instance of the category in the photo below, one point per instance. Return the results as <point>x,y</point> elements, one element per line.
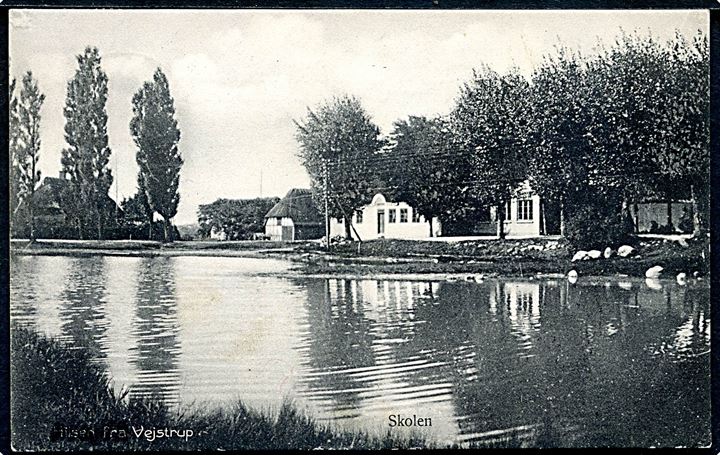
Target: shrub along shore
<point>63,401</point>
<point>491,257</point>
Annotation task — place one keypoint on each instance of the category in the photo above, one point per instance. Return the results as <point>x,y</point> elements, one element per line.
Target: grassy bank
<point>61,401</point>
<point>490,257</point>
<point>496,257</point>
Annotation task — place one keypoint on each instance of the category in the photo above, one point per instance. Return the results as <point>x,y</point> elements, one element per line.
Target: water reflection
<point>603,362</point>
<point>534,362</point>
<point>156,329</point>
<point>83,306</point>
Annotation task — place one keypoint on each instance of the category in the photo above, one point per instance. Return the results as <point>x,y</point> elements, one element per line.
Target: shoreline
<point>409,260</point>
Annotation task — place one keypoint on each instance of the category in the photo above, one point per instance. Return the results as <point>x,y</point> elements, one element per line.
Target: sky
<point>240,78</point>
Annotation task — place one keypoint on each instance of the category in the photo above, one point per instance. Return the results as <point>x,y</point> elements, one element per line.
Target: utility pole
<point>117,175</point>
<point>260,183</point>
<point>327,216</point>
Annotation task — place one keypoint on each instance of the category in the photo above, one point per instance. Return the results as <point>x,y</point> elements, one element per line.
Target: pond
<point>541,362</point>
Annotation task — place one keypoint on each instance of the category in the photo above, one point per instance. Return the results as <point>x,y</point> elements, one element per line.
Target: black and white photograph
<point>241,229</point>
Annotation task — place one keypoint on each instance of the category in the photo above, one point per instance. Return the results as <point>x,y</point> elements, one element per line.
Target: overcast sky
<point>239,78</point>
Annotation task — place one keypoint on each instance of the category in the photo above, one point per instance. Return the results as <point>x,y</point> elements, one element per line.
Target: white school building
<point>398,220</point>
<point>389,220</point>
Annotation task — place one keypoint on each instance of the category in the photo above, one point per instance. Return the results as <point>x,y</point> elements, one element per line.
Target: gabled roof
<point>298,205</point>
<point>49,191</point>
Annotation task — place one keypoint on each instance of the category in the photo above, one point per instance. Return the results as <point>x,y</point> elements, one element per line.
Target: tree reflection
<point>82,311</point>
<point>155,327</point>
<point>340,339</point>
<point>538,361</point>
<point>24,281</point>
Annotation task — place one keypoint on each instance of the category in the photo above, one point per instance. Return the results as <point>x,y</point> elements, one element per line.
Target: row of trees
<point>603,131</point>
<point>85,160</point>
<point>238,219</point>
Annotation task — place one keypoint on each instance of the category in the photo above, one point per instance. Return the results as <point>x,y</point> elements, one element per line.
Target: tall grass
<point>61,400</point>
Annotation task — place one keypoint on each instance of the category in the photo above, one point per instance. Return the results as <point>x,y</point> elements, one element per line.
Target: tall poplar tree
<point>13,144</point>
<point>156,135</point>
<point>85,160</point>
<point>25,145</point>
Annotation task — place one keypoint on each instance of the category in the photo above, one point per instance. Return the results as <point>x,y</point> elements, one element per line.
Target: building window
<point>278,221</point>
<point>525,210</point>
<point>415,216</point>
<point>403,215</point>
<point>358,217</point>
<point>392,216</point>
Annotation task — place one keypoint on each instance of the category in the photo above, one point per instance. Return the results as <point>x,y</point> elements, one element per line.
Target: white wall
<point>273,228</point>
<point>524,227</point>
<point>516,227</point>
<point>368,228</point>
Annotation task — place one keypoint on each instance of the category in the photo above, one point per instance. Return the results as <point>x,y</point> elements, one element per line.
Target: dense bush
<point>597,227</point>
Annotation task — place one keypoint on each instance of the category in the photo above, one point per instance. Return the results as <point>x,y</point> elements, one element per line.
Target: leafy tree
<point>135,222</point>
<point>683,157</point>
<point>337,142</point>
<point>238,219</point>
<point>425,168</point>
<point>650,119</point>
<point>156,134</point>
<point>490,121</point>
<point>86,158</point>
<point>560,152</point>
<point>25,145</point>
<point>627,84</point>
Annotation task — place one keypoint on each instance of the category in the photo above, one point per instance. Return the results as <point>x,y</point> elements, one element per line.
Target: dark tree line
<point>238,219</point>
<point>590,133</point>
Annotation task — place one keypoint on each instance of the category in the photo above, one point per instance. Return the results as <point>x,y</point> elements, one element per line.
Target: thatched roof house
<point>295,217</point>
<point>52,213</point>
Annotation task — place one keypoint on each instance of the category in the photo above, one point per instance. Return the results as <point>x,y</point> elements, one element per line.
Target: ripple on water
<point>503,361</point>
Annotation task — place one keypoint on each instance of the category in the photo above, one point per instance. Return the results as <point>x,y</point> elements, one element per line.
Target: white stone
<point>572,276</point>
<point>681,278</point>
<point>608,253</point>
<point>580,256</point>
<point>654,271</point>
<point>625,251</point>
<point>594,254</point>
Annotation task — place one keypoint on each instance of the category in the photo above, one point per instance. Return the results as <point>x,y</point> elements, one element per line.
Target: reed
<point>61,400</point>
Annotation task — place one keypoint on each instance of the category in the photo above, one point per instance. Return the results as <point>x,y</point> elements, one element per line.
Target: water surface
<point>605,362</point>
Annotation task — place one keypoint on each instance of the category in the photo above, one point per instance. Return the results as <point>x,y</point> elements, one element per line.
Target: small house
<point>295,217</point>
<point>384,219</point>
<point>53,214</point>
